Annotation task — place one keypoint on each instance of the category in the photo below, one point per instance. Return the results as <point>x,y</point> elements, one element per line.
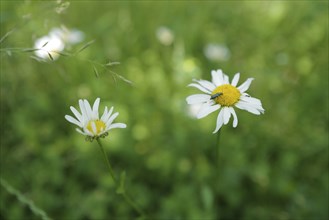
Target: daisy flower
<point>48,47</point>
<point>51,45</point>
<point>89,121</point>
<point>222,95</point>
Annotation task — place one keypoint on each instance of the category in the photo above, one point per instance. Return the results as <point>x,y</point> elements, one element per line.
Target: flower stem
<point>107,161</point>
<point>217,148</point>
<point>123,193</point>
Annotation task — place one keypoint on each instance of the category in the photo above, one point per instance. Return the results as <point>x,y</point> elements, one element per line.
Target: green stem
<point>217,177</point>
<point>124,193</point>
<point>107,161</point>
<point>217,148</point>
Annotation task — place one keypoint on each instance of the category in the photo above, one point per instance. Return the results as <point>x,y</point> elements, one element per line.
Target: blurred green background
<point>272,167</point>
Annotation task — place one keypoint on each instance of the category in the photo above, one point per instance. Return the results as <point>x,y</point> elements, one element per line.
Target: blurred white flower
<point>66,35</point>
<point>216,52</point>
<point>165,35</point>
<point>48,47</point>
<point>89,121</point>
<point>223,95</point>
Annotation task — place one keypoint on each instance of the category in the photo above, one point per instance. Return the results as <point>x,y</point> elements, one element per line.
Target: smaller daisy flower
<point>223,95</point>
<point>68,36</point>
<point>48,47</point>
<point>89,122</point>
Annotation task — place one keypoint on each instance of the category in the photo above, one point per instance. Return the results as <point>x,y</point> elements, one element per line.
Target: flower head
<point>48,47</point>
<point>89,121</point>
<point>51,45</point>
<point>68,36</point>
<point>223,95</point>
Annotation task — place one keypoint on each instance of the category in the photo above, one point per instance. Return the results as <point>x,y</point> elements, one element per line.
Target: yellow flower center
<point>100,126</point>
<point>229,95</point>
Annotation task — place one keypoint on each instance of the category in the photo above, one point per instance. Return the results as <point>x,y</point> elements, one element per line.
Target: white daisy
<point>223,95</point>
<point>48,47</point>
<point>68,36</point>
<point>51,45</point>
<point>89,122</point>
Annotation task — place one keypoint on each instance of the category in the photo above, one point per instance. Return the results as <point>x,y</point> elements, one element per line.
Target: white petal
<point>111,110</point>
<point>220,121</point>
<point>95,107</point>
<point>215,78</point>
<point>206,84</point>
<point>251,100</point>
<point>235,118</point>
<point>84,115</point>
<point>93,127</point>
<point>261,110</point>
<point>221,76</point>
<point>73,120</point>
<point>84,120</point>
<point>201,88</point>
<point>116,125</point>
<point>235,79</point>
<point>104,114</point>
<point>198,98</point>
<point>247,107</point>
<point>226,80</point>
<point>76,113</point>
<point>245,86</point>
<point>87,132</point>
<point>218,77</point>
<point>206,109</point>
<point>106,117</point>
<point>226,115</point>
<point>88,109</point>
<point>251,103</point>
<point>81,132</point>
<point>111,119</point>
<point>82,107</point>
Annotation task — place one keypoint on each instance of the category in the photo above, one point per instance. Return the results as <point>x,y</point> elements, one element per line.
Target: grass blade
<point>7,34</point>
<point>84,46</point>
<point>45,44</point>
<point>96,71</point>
<point>112,63</point>
<point>50,56</point>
